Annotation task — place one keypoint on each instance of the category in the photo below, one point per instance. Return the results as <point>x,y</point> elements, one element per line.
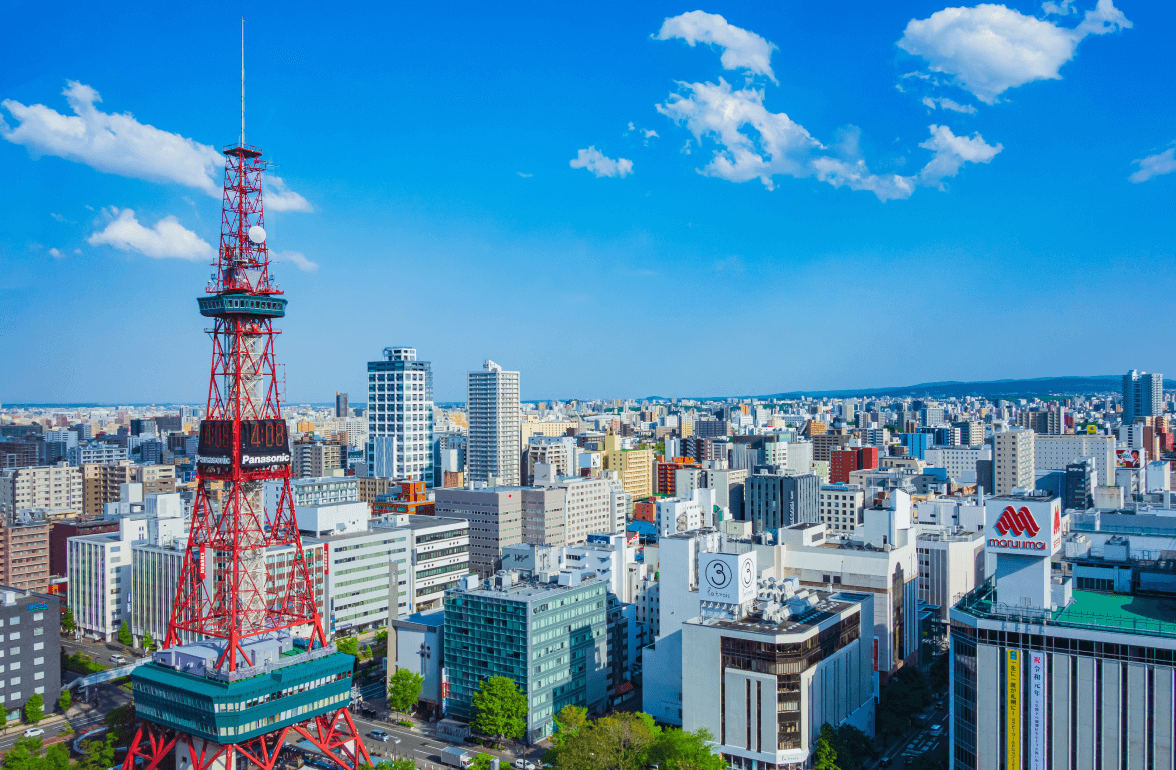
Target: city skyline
<point>612,200</point>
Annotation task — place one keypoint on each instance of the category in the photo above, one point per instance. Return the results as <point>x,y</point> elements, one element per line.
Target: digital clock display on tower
<point>263,443</point>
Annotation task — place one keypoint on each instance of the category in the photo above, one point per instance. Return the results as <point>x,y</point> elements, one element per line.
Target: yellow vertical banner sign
<point>1013,711</point>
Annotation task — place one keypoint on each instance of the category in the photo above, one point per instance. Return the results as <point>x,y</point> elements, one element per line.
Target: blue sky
<point>833,196</point>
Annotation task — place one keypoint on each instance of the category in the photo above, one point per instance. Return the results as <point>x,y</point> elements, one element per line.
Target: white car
<point>33,732</point>
<point>523,764</point>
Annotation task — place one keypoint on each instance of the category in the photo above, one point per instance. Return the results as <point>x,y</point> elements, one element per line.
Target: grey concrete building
<point>495,515</point>
<point>772,501</point>
<point>30,659</point>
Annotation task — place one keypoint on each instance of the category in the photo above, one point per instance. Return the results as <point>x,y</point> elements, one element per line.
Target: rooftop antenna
<point>242,81</point>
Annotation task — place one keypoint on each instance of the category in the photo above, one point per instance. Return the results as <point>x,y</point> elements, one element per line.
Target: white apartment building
<point>155,573</point>
<point>99,572</point>
<point>400,417</point>
<point>959,461</point>
<point>1054,453</point>
<point>558,451</point>
<point>331,518</point>
<point>96,452</point>
<point>800,456</point>
<point>951,563</point>
<point>677,514</point>
<point>313,491</point>
<point>494,433</point>
<point>839,507</point>
<point>1013,460</point>
<point>440,557</point>
<point>57,487</point>
<point>367,578</point>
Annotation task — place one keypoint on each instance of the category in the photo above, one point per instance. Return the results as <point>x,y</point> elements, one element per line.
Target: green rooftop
<point>1150,615</point>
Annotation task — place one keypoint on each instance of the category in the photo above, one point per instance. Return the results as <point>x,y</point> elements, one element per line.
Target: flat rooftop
<point>829,605</point>
<point>1089,610</point>
<point>526,590</point>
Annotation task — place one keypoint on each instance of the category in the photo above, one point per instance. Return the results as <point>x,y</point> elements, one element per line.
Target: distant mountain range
<point>1040,386</point>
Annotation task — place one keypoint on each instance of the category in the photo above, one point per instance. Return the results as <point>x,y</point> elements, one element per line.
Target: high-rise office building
<point>493,405</point>
<point>772,501</point>
<point>341,408</point>
<point>1143,395</point>
<point>400,417</point>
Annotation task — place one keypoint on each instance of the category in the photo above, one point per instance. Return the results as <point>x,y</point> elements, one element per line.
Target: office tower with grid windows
<point>400,417</point>
<point>1143,395</point>
<point>493,404</point>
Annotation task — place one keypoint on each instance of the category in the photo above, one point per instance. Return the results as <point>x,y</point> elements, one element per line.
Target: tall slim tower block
<point>495,445</point>
<point>264,669</point>
<point>400,417</point>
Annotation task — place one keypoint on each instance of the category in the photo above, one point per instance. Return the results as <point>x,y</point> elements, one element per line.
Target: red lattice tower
<point>225,592</point>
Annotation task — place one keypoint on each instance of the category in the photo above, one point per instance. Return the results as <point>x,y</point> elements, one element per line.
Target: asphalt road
<point>7,741</point>
<point>425,748</point>
<point>918,740</point>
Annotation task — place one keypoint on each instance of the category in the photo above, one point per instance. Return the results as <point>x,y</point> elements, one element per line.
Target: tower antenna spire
<point>242,81</point>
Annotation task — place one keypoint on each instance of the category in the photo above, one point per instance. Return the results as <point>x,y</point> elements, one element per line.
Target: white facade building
<point>958,461</point>
<point>1054,453</point>
<point>400,417</point>
<point>55,487</point>
<point>951,563</point>
<point>676,514</point>
<point>494,418</point>
<point>1013,460</point>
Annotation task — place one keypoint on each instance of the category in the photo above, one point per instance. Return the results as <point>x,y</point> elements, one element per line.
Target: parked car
<point>379,735</point>
<point>524,764</point>
<point>33,732</point>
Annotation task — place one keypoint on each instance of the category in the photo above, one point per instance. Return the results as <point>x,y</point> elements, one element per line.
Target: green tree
<point>682,750</point>
<point>34,708</point>
<point>121,722</point>
<point>67,621</point>
<point>124,634</point>
<point>853,747</point>
<point>404,690</point>
<point>24,755</point>
<point>500,709</point>
<point>620,741</point>
<point>481,761</point>
<point>148,641</point>
<point>348,644</point>
<point>66,700</point>
<point>826,754</point>
<point>399,763</point>
<point>382,637</point>
<point>97,755</point>
<point>57,758</point>
<point>567,722</point>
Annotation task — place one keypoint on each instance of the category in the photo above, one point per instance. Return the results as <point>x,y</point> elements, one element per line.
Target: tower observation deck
<point>263,669</point>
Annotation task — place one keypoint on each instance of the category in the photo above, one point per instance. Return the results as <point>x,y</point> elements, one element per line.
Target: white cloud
<point>168,239</point>
<point>949,104</point>
<point>951,153</point>
<point>58,217</point>
<point>297,258</point>
<point>741,49</point>
<point>119,144</point>
<point>56,253</point>
<point>524,176</point>
<point>113,144</point>
<point>278,197</point>
<point>600,164</point>
<point>649,133</point>
<point>1154,165</point>
<point>988,49</point>
<point>755,143</point>
<point>1065,9</point>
